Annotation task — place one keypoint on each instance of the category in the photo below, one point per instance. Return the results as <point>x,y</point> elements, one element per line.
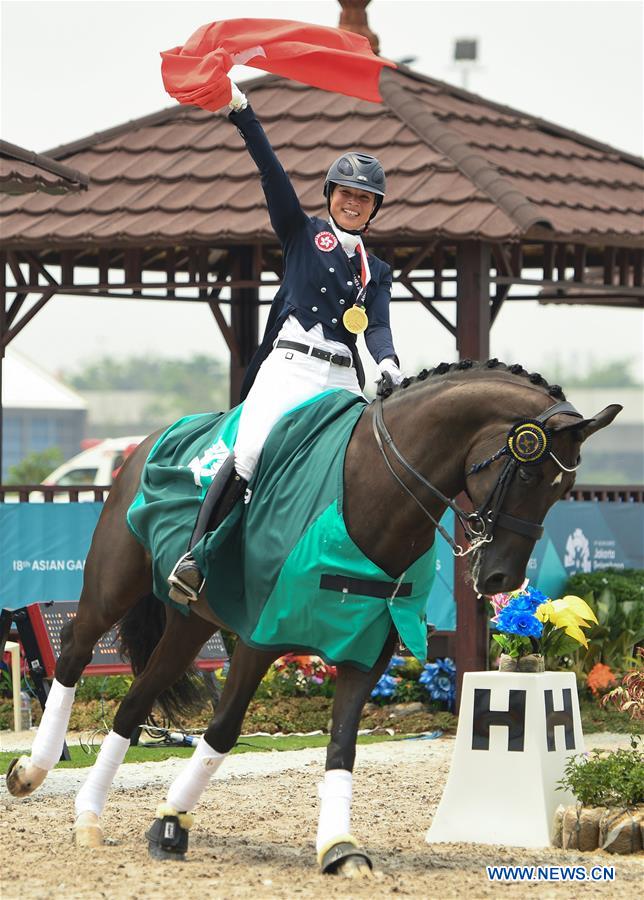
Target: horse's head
<point>515,486</point>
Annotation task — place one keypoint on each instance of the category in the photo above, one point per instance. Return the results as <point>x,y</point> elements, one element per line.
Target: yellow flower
<point>578,606</point>
<point>544,612</point>
<point>570,613</point>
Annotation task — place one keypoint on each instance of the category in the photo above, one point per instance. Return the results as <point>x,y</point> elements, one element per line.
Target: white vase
<point>515,733</point>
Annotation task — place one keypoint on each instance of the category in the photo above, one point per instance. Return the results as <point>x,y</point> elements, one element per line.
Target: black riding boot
<point>226,488</point>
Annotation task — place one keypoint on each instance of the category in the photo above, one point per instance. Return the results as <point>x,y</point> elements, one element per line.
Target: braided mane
<point>554,390</point>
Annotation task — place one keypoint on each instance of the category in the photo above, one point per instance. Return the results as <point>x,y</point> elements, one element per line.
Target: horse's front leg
<point>338,851</point>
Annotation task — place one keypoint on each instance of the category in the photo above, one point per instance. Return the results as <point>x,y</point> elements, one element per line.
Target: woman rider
<point>331,291</point>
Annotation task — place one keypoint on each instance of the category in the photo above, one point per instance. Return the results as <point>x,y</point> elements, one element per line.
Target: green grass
<point>80,758</point>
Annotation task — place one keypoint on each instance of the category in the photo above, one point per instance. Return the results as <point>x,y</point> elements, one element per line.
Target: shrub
<point>607,779</point>
<point>617,599</point>
<point>629,696</point>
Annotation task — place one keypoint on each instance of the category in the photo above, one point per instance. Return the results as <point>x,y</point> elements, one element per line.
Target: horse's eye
<point>526,475</point>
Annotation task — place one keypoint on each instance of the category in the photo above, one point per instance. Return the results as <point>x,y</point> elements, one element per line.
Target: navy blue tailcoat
<point>318,283</point>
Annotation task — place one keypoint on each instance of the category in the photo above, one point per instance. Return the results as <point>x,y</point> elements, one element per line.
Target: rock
<point>557,826</point>
<point>620,830</point>
<point>533,662</point>
<point>507,663</point>
<point>398,710</point>
<point>580,827</point>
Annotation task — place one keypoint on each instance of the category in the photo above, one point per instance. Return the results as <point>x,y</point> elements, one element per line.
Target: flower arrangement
<point>437,679</point>
<point>299,675</point>
<point>530,625</point>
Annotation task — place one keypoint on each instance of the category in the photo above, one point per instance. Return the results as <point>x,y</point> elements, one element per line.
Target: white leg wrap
<point>50,737</point>
<point>335,807</point>
<point>93,794</point>
<point>189,785</point>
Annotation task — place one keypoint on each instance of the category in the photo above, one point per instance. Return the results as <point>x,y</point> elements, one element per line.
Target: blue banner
<point>579,536</point>
<point>586,536</point>
<point>43,550</point>
<point>441,608</point>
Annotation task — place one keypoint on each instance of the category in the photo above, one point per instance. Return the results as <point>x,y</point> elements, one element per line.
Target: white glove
<point>238,100</point>
<point>388,365</point>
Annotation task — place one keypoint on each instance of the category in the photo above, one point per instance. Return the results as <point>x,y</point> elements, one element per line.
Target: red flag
<point>327,58</point>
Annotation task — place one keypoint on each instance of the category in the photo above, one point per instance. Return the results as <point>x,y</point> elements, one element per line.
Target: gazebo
<point>485,204</point>
<point>23,172</point>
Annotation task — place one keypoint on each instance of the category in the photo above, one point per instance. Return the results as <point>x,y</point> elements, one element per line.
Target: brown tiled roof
<point>458,166</point>
<point>23,172</point>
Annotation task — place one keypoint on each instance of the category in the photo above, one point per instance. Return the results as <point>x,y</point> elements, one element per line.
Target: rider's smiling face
<point>351,207</point>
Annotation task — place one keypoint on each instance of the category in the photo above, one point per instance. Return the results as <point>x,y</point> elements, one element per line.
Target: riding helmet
<point>357,170</point>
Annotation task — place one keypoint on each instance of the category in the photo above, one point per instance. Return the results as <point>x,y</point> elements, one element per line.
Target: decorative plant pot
<point>533,662</point>
<point>507,663</point>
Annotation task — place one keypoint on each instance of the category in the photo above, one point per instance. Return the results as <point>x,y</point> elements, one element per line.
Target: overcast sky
<point>72,68</point>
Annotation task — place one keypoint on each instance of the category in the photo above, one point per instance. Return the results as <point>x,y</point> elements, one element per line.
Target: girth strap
<point>383,590</point>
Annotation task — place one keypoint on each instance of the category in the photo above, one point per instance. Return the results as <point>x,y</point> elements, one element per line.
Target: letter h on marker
<point>559,717</point>
<point>483,717</point>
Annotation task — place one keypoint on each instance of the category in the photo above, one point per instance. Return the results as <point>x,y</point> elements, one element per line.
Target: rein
<point>527,443</point>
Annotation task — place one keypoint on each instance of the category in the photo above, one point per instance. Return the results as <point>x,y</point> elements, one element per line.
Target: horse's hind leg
<point>338,852</point>
<point>168,836</point>
<point>116,576</point>
<point>180,643</point>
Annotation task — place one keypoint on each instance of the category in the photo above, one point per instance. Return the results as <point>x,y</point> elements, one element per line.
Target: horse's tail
<point>139,631</point>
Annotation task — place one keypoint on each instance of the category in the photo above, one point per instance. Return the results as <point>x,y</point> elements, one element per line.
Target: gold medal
<point>355,319</point>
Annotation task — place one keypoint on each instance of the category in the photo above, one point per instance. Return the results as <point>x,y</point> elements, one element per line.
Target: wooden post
<point>473,342</point>
<point>3,328</point>
<point>473,300</point>
<point>244,317</point>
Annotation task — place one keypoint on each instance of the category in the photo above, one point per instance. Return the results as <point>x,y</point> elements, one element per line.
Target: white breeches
<point>286,379</point>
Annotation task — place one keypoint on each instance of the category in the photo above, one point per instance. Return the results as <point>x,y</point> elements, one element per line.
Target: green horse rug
<point>281,571</point>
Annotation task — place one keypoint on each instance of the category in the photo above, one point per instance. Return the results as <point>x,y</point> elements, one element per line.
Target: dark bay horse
<point>458,428</point>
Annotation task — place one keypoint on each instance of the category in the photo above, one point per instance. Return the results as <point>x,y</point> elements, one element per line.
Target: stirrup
<point>181,592</point>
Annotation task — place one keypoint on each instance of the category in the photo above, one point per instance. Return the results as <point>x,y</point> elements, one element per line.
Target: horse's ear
<point>583,428</point>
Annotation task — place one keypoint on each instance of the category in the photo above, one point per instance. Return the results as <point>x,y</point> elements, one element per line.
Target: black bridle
<point>479,525</point>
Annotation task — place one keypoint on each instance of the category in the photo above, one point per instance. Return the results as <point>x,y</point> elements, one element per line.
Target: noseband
<point>527,443</point>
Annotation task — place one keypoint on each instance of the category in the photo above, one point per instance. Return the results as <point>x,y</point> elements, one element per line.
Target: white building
<point>39,412</point>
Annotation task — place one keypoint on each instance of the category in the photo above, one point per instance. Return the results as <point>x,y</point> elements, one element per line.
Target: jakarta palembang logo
<point>577,555</point>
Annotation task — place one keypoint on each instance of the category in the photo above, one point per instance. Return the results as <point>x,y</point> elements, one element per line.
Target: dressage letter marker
<point>515,733</point>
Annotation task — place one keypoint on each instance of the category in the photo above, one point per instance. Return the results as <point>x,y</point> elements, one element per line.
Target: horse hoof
<point>345,858</point>
<point>167,839</point>
<point>354,867</point>
<point>23,777</point>
<point>87,831</point>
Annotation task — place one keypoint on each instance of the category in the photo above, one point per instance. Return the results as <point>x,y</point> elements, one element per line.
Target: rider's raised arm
<point>284,208</point>
<point>378,336</point>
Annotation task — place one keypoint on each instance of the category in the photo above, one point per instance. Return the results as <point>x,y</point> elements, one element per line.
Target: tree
<point>35,466</point>
<point>196,385</point>
<point>609,374</point>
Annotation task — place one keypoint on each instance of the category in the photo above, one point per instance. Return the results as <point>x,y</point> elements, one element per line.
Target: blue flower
<point>395,662</point>
<point>447,665</point>
<point>518,621</point>
<point>386,686</point>
<point>439,680</point>
<point>530,598</point>
<point>430,671</point>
